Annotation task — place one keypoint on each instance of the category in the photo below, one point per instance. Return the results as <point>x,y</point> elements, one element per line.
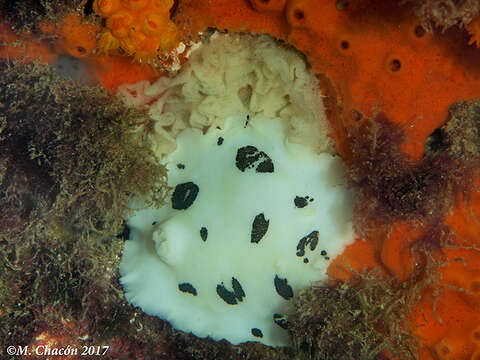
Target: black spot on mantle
<point>231,297</point>
<point>204,233</point>
<point>187,288</point>
<point>281,321</point>
<point>259,228</point>
<point>249,157</point>
<point>302,201</point>
<point>226,295</point>
<point>282,287</point>
<point>310,239</point>
<point>257,332</point>
<point>324,254</point>
<point>237,289</point>
<point>220,141</point>
<point>184,195</point>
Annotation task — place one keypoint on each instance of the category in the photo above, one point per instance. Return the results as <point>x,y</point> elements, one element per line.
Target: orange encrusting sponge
<point>474,30</point>
<point>464,218</point>
<point>69,36</point>
<point>447,321</point>
<point>114,71</point>
<point>141,28</point>
<point>76,38</point>
<point>22,47</point>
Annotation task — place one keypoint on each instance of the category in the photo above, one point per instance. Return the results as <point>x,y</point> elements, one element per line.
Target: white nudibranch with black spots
<point>252,219</point>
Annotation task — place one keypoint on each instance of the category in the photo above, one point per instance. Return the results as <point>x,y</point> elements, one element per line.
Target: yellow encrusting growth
<point>141,28</point>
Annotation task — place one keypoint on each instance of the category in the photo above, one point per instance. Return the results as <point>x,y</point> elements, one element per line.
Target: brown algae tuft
<point>25,15</point>
<point>69,164</point>
<point>363,319</point>
<point>68,150</point>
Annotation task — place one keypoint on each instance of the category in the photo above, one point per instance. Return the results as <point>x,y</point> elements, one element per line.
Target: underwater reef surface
<point>401,89</point>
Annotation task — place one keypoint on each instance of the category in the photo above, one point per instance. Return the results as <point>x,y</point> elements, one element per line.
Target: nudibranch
<point>254,215</point>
